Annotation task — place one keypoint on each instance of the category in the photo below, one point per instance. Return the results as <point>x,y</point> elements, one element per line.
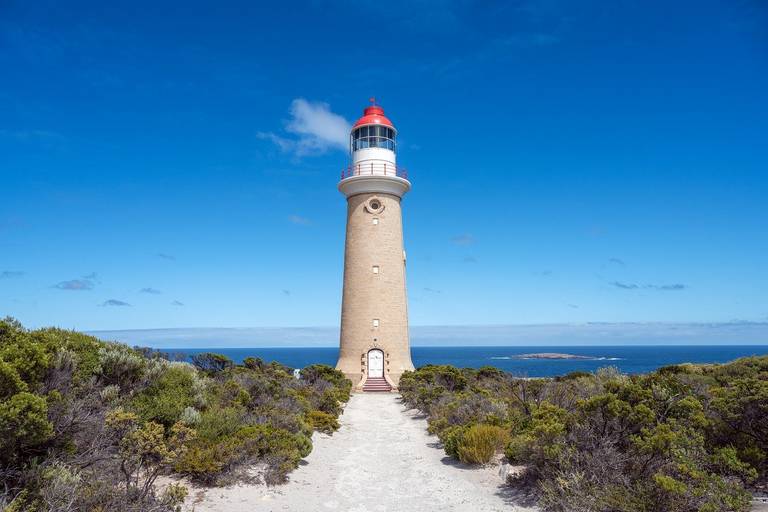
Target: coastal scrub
<point>684,438</point>
<point>90,425</point>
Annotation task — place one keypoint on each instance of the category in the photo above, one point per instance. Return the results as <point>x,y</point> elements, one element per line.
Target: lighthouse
<point>374,347</point>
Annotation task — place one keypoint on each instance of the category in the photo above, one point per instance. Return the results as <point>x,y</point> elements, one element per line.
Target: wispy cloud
<point>114,302</point>
<point>667,287</point>
<point>660,287</point>
<point>312,130</point>
<point>463,239</point>
<point>177,303</point>
<point>75,285</point>
<point>166,256</point>
<point>151,291</point>
<point>10,274</point>
<point>625,286</point>
<point>298,219</point>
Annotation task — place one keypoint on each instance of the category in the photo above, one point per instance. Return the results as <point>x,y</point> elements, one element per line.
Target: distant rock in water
<point>550,355</point>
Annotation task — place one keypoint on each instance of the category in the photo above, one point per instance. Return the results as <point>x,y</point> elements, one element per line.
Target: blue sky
<point>174,164</point>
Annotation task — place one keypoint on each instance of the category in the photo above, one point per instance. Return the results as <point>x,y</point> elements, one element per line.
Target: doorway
<point>375,364</point>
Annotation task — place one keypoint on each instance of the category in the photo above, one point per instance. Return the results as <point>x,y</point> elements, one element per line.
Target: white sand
<point>381,459</point>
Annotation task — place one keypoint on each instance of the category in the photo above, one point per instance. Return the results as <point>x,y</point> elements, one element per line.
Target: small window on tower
<point>375,322</point>
<point>375,221</point>
<point>375,269</point>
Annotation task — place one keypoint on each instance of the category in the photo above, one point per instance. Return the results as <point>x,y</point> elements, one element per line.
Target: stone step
<point>377,385</point>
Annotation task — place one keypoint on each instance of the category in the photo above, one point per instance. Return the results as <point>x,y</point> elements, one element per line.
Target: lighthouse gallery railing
<point>374,169</point>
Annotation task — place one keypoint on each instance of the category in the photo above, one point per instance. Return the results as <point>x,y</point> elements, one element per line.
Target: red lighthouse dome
<point>373,115</point>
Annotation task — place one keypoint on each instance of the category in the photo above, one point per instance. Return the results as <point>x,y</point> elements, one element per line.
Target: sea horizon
<point>734,332</point>
<point>630,359</point>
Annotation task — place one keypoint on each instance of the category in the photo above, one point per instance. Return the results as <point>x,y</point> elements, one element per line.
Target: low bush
<point>480,443</point>
<point>167,395</point>
<point>323,422</point>
<point>211,363</point>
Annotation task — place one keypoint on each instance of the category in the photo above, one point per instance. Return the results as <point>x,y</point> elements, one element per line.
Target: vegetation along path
<point>381,459</point>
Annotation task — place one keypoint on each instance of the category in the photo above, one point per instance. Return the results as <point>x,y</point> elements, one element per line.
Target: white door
<point>375,363</point>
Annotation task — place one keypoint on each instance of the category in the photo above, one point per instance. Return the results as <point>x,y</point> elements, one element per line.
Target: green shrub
<point>110,393</point>
<point>451,438</point>
<point>85,349</point>
<point>217,422</point>
<point>323,421</point>
<point>518,448</point>
<point>27,357</point>
<point>447,377</point>
<point>481,442</point>
<point>10,381</point>
<point>23,424</point>
<point>573,376</point>
<point>190,416</point>
<point>206,460</point>
<point>166,397</point>
<point>121,366</point>
<point>341,386</point>
<point>254,363</point>
<point>212,363</point>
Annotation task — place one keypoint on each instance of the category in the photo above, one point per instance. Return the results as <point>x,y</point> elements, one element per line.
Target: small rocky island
<point>550,355</point>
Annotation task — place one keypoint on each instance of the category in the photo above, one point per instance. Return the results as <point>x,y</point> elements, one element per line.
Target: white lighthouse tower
<point>374,345</point>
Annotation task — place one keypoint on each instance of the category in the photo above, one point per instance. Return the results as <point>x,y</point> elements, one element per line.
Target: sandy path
<point>381,459</point>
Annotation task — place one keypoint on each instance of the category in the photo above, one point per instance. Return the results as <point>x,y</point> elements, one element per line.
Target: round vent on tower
<point>374,205</point>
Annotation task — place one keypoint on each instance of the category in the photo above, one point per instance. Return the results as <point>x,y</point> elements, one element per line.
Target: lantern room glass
<point>373,137</point>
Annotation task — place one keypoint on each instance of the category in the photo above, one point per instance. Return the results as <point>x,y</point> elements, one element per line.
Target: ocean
<point>629,359</point>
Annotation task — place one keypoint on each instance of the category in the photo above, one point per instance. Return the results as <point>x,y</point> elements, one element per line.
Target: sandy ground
<point>381,459</point>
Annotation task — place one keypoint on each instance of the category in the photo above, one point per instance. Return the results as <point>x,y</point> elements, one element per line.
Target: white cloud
<point>314,129</point>
<point>463,239</point>
<point>75,284</point>
<point>298,219</point>
<point>114,302</point>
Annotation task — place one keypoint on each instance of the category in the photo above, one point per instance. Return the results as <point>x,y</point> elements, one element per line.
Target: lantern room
<point>372,147</point>
<point>373,136</point>
<point>373,141</point>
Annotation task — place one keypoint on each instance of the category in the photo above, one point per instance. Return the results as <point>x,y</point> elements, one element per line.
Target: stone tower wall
<point>368,295</point>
